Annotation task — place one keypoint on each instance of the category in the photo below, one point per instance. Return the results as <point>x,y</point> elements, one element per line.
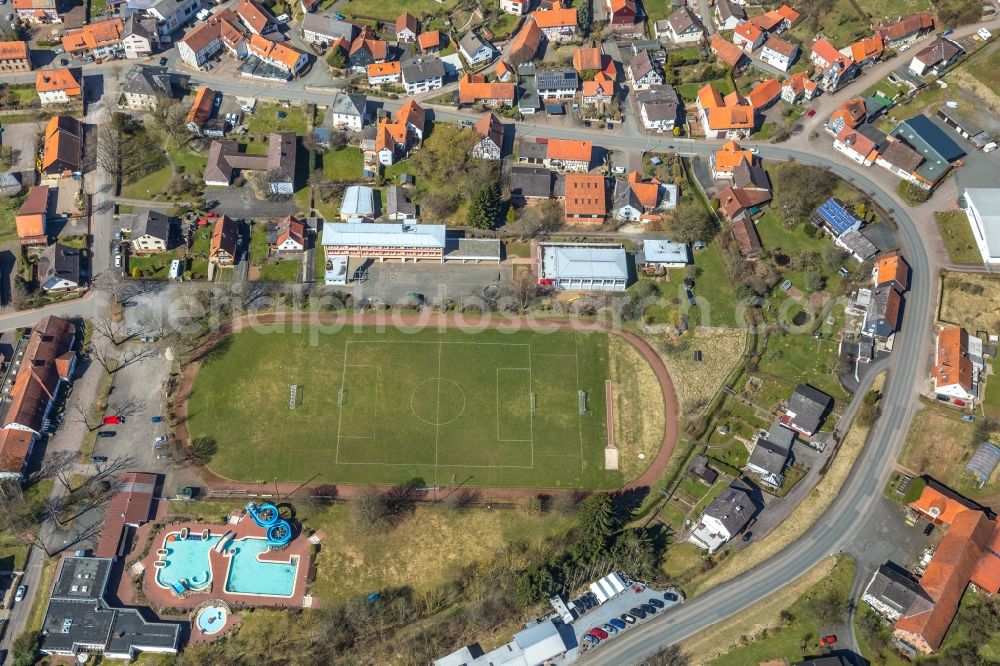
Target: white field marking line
<point>579,416</point>
<point>449,342</point>
<point>531,412</point>
<point>423,464</point>
<point>558,355</point>
<point>437,415</point>
<point>340,417</point>
<point>499,438</point>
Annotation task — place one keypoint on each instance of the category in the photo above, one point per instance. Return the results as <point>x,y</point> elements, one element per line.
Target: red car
<point>111,420</point>
<point>599,634</point>
<point>959,403</point>
<point>828,640</point>
<point>211,214</point>
<point>810,113</point>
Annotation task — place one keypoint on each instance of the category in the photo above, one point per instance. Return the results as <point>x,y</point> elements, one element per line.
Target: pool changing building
<point>583,266</point>
<point>80,620</point>
<point>538,644</point>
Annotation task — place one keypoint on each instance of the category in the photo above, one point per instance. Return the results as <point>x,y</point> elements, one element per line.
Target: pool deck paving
<point>160,598</point>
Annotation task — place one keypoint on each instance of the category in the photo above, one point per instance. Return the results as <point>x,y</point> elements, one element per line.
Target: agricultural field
<point>891,9</point>
<point>972,301</point>
<point>490,409</point>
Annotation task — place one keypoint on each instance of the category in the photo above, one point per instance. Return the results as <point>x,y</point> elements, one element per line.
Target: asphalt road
<point>842,521</point>
<point>848,512</point>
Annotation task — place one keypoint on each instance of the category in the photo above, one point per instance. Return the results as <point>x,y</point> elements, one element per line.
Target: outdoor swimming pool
<point>253,576</point>
<point>186,562</point>
<point>187,565</point>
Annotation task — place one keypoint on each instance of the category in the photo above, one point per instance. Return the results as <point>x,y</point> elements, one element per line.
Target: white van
<point>175,269</point>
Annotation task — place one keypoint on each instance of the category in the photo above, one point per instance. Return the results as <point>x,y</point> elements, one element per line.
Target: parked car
<point>810,113</point>
<point>98,459</point>
<point>609,629</point>
<point>616,623</point>
<point>904,47</point>
<point>746,537</point>
<point>156,419</point>
<point>19,595</point>
<point>943,398</point>
<point>928,529</point>
<point>947,32</point>
<point>160,439</point>
<point>599,634</point>
<point>339,16</point>
<point>828,640</point>
<point>638,612</point>
<point>163,62</point>
<point>610,125</point>
<point>959,403</point>
<point>105,433</point>
<point>629,619</point>
<point>753,151</point>
<point>670,596</point>
<point>969,417</point>
<point>113,419</point>
<point>118,261</point>
<point>590,640</point>
<point>650,610</point>
<point>653,601</point>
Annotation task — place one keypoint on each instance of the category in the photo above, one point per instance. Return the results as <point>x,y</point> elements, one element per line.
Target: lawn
<point>891,9</point>
<point>971,300</point>
<point>265,120</point>
<point>956,233</point>
<point>715,297</point>
<point>157,265</point>
<point>189,161</point>
<point>799,357</point>
<point>799,637</point>
<point>940,444</point>
<point>504,26</point>
<point>344,164</point>
<point>423,552</point>
<point>388,10</point>
<point>689,91</point>
<point>991,397</point>
<point>287,270</point>
<point>439,406</point>
<point>258,244</point>
<point>8,212</point>
<point>25,94</point>
<point>149,185</point>
<point>840,23</point>
<point>986,68</point>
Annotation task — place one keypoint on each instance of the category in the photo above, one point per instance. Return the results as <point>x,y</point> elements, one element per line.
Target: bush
<point>912,194</point>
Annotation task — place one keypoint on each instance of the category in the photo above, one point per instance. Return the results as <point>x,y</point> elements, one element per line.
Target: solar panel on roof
<point>836,216</point>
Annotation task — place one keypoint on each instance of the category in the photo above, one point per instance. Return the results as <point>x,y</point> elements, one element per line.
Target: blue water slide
<point>264,515</point>
<point>279,534</point>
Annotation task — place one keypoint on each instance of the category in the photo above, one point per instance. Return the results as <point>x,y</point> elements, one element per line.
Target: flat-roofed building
<point>583,266</point>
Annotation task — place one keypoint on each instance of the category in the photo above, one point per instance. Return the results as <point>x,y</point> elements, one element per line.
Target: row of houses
<point>916,150</point>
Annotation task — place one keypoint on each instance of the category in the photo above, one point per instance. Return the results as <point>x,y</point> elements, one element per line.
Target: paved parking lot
<point>612,608</point>
<point>391,282</point>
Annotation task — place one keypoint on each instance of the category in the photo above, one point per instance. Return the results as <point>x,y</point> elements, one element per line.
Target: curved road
<point>839,524</point>
<point>841,521</point>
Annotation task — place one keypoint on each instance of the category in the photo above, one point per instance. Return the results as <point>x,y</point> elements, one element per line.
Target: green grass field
<point>445,407</point>
<point>956,233</point>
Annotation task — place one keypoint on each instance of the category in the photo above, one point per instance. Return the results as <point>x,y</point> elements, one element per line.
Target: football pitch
<point>447,407</point>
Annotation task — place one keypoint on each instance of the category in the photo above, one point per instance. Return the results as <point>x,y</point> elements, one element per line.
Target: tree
<point>511,215</point>
<point>169,116</point>
<point>815,281</point>
<point>370,511</point>
<point>596,516</point>
<point>484,211</point>
<point>669,656</point>
<point>691,222</point>
<point>336,58</point>
<point>24,649</point>
<point>585,18</point>
<point>799,189</point>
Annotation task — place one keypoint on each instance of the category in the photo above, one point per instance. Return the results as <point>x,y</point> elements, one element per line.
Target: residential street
<point>856,514</point>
